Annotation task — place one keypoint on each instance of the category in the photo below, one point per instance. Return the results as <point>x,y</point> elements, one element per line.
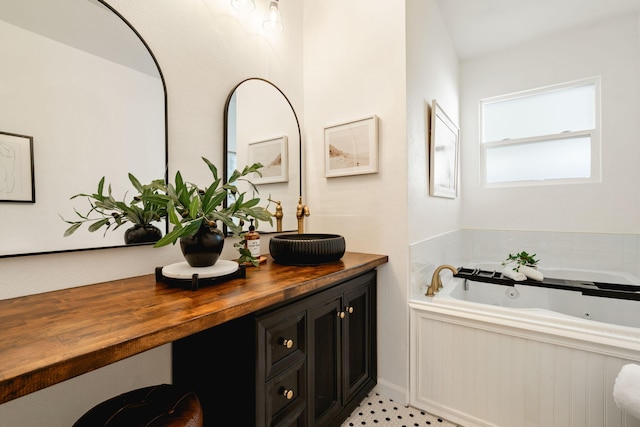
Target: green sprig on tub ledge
<point>520,259</point>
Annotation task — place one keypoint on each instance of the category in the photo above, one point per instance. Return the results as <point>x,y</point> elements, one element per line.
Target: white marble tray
<point>182,270</point>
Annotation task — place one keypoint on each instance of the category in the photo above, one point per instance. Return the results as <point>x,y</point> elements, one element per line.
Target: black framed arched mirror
<point>79,80</point>
<point>260,124</point>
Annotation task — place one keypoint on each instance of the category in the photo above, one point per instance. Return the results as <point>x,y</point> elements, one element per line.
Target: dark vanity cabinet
<point>308,362</point>
<point>340,342</point>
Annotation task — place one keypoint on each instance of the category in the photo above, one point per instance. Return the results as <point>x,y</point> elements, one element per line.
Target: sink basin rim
<point>307,248</point>
<point>306,236</point>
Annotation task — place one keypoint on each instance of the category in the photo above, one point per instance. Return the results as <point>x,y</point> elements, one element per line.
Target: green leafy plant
<point>520,259</point>
<point>108,212</point>
<point>188,206</point>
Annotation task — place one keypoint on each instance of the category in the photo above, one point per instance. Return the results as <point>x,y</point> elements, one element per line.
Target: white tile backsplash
<point>592,251</point>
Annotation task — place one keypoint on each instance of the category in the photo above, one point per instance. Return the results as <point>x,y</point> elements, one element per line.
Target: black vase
<point>139,233</point>
<point>203,248</point>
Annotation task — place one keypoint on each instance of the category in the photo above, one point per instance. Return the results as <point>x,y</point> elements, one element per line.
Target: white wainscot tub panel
<point>482,369</point>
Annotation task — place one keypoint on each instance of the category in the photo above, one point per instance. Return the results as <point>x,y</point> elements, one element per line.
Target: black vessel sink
<point>306,248</point>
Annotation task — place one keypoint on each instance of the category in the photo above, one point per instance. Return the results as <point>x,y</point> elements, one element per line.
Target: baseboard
<point>392,391</point>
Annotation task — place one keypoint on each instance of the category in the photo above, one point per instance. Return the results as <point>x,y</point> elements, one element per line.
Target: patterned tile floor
<point>377,410</point>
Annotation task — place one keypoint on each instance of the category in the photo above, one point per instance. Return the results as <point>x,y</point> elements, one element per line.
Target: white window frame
<point>594,134</point>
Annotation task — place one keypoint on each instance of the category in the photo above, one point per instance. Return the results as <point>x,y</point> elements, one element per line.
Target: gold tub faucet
<point>436,283</point>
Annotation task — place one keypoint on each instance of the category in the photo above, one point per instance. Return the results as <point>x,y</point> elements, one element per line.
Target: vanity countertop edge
<point>54,336</point>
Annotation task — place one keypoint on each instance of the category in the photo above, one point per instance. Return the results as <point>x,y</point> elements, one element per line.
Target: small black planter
<point>203,248</point>
<point>142,234</point>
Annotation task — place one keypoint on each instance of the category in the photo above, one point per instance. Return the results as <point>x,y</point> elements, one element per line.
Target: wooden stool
<point>156,406</point>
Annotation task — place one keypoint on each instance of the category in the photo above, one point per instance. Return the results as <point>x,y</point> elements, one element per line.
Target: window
<point>542,136</point>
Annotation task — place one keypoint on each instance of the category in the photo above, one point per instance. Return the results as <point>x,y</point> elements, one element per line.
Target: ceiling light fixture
<point>245,6</point>
<point>272,20</point>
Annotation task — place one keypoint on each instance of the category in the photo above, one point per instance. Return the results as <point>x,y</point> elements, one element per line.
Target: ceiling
<point>479,27</point>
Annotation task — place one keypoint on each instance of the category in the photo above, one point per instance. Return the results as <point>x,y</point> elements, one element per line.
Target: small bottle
<point>252,241</point>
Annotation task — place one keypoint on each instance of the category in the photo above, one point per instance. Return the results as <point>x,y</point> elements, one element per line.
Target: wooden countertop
<point>51,337</point>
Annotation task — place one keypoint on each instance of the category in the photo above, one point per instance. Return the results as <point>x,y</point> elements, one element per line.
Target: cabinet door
<point>325,364</point>
<point>358,339</point>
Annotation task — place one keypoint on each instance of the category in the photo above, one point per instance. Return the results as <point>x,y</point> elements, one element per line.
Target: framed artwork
<point>272,153</point>
<point>351,148</point>
<point>16,168</point>
<point>443,154</point>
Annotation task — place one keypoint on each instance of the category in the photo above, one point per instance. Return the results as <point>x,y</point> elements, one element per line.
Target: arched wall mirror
<point>79,80</point>
<point>262,126</point>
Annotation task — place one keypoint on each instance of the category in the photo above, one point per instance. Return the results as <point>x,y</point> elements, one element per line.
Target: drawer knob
<point>350,310</point>
<point>341,314</point>
<point>288,394</point>
<point>286,342</point>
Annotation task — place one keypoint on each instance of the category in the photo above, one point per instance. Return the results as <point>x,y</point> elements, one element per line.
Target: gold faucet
<point>436,283</point>
<point>279,214</point>
<point>301,212</point>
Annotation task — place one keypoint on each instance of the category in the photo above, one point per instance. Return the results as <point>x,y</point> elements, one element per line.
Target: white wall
<point>609,49</point>
<point>432,73</point>
<point>354,60</point>
<point>204,49</point>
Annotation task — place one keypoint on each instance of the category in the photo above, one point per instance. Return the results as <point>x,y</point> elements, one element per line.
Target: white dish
<point>182,270</point>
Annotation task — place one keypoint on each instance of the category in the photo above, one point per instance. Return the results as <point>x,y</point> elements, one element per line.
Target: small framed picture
<point>351,148</point>
<point>16,168</point>
<point>272,154</point>
<point>443,154</point>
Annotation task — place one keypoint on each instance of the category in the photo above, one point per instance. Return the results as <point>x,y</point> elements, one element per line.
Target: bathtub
<point>484,354</point>
<point>547,301</point>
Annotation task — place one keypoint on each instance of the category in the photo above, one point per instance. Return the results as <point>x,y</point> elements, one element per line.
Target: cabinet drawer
<point>282,336</point>
<point>286,397</point>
